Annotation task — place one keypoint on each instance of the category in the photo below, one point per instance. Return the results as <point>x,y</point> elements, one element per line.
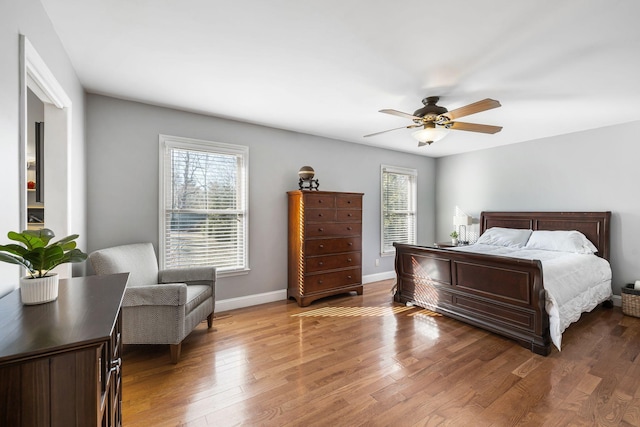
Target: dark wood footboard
<point>499,294</point>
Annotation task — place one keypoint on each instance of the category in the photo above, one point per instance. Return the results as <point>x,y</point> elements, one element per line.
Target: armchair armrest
<point>174,294</point>
<point>190,276</point>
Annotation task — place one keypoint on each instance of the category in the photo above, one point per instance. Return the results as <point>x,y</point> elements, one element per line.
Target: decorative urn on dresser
<point>325,244</point>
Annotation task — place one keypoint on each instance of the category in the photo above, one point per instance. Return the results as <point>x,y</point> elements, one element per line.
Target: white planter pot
<point>39,290</point>
<point>454,242</point>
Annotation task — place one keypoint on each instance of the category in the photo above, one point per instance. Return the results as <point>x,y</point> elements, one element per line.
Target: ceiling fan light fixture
<point>436,121</point>
<point>430,133</point>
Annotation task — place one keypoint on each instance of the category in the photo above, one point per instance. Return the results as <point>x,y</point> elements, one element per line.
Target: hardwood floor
<point>382,364</point>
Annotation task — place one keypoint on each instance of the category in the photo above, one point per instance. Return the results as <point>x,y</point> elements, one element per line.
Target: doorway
<point>56,114</point>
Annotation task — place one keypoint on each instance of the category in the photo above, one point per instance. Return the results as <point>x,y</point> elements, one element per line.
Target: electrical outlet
<point>377,262</point>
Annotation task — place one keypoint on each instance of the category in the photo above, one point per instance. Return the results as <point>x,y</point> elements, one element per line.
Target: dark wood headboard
<point>594,225</point>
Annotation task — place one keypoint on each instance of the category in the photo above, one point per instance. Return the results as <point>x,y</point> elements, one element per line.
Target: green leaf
<point>14,249</point>
<point>35,258</point>
<point>67,239</point>
<point>29,240</point>
<point>75,255</point>
<point>43,234</point>
<point>66,246</point>
<point>53,256</point>
<point>12,259</point>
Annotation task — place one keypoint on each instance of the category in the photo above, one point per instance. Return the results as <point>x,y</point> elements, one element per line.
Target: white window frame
<point>168,143</point>
<point>411,209</point>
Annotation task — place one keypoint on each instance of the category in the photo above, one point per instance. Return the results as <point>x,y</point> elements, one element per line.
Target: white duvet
<point>574,283</point>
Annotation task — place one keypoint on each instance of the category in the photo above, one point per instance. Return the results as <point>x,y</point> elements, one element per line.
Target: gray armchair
<point>159,307</point>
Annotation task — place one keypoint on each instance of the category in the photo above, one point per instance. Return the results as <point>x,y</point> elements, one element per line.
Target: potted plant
<point>39,257</point>
<point>454,238</point>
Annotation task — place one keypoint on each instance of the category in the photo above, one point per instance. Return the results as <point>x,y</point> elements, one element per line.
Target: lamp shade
<point>462,220</point>
<point>430,133</point>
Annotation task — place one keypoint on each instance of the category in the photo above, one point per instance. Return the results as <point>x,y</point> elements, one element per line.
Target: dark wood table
<point>60,361</point>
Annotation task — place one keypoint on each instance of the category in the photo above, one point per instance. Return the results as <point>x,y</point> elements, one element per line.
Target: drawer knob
<point>349,214</point>
<point>348,259</point>
<point>319,214</point>
<point>349,202</point>
<point>320,282</point>
<point>349,228</point>
<point>350,244</point>
<point>320,201</point>
<point>348,277</point>
<point>321,263</point>
<point>320,229</point>
<point>321,246</point>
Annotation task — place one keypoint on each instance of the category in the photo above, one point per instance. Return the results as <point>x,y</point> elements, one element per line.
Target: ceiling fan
<point>436,121</point>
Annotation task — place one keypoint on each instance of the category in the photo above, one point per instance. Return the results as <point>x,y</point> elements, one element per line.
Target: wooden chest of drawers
<point>325,244</point>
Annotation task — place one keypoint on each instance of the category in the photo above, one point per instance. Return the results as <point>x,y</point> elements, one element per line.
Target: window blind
<point>204,213</point>
<point>398,220</point>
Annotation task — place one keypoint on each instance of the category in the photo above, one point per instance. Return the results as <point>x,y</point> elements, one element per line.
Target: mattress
<point>573,283</point>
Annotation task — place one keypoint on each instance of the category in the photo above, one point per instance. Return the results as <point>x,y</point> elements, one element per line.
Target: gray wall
<point>122,159</point>
<point>594,170</point>
<point>28,17</point>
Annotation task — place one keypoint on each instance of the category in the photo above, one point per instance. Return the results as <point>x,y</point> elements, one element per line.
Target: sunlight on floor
<point>424,312</point>
<point>352,312</point>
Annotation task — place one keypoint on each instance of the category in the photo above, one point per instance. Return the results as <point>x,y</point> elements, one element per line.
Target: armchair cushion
<point>173,294</point>
<point>196,295</point>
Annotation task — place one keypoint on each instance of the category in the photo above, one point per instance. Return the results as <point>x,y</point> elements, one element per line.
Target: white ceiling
<point>326,67</point>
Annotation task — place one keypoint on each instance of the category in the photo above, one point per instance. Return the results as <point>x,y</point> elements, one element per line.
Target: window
<point>398,222</point>
<point>203,204</point>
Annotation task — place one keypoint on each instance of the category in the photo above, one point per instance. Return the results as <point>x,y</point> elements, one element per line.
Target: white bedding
<point>574,283</point>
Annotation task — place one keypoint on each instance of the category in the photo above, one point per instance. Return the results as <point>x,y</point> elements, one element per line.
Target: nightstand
<point>444,245</point>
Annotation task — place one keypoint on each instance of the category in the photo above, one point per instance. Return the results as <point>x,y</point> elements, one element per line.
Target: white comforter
<point>574,283</point>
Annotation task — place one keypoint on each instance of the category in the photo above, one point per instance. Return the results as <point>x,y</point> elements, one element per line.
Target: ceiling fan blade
<point>401,114</point>
<point>476,107</point>
<point>389,130</point>
<point>474,127</point>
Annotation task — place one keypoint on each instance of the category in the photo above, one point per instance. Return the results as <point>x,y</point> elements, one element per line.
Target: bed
<point>502,294</point>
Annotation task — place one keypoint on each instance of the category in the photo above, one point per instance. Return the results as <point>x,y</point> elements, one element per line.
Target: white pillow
<point>562,241</point>
<point>509,237</point>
